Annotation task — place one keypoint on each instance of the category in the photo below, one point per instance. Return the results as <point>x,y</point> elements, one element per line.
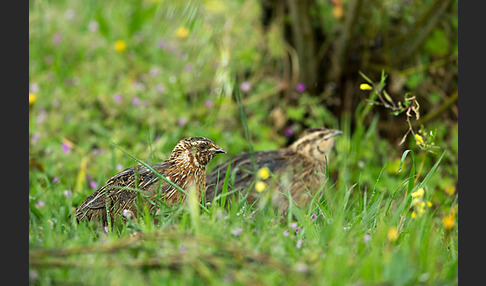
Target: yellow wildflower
<point>182,33</point>
<point>449,221</point>
<point>419,193</point>
<point>365,86</point>
<point>32,98</point>
<point>260,186</point>
<point>419,139</point>
<point>414,214</point>
<point>422,205</point>
<point>337,10</point>
<point>450,190</point>
<point>420,210</point>
<point>416,202</point>
<point>264,173</point>
<point>120,46</point>
<point>429,204</point>
<point>392,234</point>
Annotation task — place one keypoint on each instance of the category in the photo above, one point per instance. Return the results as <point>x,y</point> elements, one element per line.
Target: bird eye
<point>203,146</point>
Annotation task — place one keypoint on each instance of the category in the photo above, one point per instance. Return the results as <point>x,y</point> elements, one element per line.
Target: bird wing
<point>138,177</point>
<point>242,172</point>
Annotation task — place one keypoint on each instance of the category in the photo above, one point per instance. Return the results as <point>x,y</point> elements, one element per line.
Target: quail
<point>186,167</point>
<point>298,169</point>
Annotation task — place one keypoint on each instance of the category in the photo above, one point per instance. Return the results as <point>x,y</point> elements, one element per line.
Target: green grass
<point>75,82</point>
<point>347,243</point>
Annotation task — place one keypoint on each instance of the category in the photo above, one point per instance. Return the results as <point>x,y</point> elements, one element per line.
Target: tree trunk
<point>304,41</point>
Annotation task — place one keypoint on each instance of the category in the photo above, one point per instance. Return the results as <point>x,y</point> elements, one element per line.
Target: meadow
<point>113,84</point>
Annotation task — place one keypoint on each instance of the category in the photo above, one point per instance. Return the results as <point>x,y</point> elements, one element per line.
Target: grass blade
<point>157,174</point>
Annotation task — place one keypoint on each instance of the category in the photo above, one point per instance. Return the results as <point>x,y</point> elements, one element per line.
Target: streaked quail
<point>299,168</point>
<point>186,167</point>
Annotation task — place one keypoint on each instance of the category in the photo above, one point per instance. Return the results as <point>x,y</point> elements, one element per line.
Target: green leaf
<point>412,169</point>
<point>225,184</point>
<point>296,113</point>
<point>414,80</point>
<point>437,44</point>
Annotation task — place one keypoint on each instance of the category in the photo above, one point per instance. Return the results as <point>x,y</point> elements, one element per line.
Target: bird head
<point>316,143</point>
<point>197,151</point>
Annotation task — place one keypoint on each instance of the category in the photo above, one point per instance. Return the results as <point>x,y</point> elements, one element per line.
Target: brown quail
<point>299,168</point>
<point>186,167</point>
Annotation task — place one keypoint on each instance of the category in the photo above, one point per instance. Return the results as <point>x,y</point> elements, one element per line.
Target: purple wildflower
<point>127,213</point>
<point>245,86</point>
<point>97,151</point>
<point>293,225</point>
<point>35,137</point>
<point>182,121</point>
<point>182,249</point>
<point>298,229</point>
<point>93,184</point>
<point>208,103</point>
<point>65,147</point>
<point>34,87</point>
<point>41,117</point>
<point>189,67</point>
<point>300,87</point>
<point>285,233</point>
<point>93,26</point>
<point>55,179</point>
<point>153,72</point>
<point>288,132</point>
<point>118,98</point>
<point>366,238</point>
<point>40,204</point>
<point>160,88</point>
<point>136,101</point>
<point>56,39</point>
<point>313,217</point>
<point>119,167</point>
<point>237,231</point>
<point>68,194</point>
<point>32,276</point>
<point>299,243</point>
<point>302,267</point>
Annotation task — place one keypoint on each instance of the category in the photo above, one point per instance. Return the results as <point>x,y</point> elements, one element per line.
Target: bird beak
<point>217,151</point>
<point>337,132</point>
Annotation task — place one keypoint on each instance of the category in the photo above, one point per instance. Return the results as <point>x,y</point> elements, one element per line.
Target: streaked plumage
<point>299,168</point>
<point>186,166</point>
